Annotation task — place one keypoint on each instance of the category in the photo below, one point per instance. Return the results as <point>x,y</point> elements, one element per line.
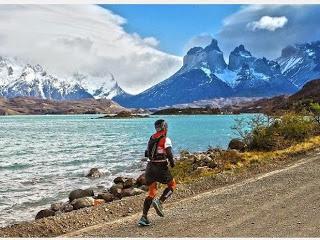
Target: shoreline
<point>75,220</point>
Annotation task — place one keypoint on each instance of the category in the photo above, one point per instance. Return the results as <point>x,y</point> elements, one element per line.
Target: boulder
<point>45,213</point>
<point>202,169</point>
<point>82,202</point>
<point>131,192</point>
<point>98,202</point>
<point>212,164</point>
<point>56,206</point>
<point>119,180</point>
<point>144,188</point>
<point>206,159</point>
<point>141,180</point>
<point>130,182</point>
<point>107,197</point>
<point>94,173</point>
<point>66,207</point>
<point>237,144</point>
<point>79,193</point>
<point>116,189</point>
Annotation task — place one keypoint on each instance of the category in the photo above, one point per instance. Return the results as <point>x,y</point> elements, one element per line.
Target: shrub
<point>315,110</point>
<point>273,132</point>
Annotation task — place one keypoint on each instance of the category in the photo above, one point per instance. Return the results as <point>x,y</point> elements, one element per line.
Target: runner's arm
<point>170,156</point>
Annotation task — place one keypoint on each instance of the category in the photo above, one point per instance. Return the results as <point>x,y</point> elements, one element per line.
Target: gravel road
<point>282,203</point>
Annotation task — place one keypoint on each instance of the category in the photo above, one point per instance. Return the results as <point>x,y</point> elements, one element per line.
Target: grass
<point>184,172</point>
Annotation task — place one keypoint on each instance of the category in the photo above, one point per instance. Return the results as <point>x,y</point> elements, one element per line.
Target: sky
<point>173,25</point>
<point>142,45</point>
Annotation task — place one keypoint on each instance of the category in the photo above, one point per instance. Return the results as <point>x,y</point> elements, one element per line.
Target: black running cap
<point>160,125</point>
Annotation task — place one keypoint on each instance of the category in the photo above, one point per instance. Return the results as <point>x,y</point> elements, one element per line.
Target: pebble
<point>299,222</point>
<point>106,209</point>
<point>130,210</point>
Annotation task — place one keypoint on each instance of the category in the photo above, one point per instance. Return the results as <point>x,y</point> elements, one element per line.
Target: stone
<point>44,213</point>
<point>98,202</point>
<point>94,173</point>
<point>212,164</point>
<point>130,182</point>
<point>67,207</point>
<point>138,191</point>
<point>128,192</point>
<point>130,210</point>
<point>206,159</point>
<point>107,197</point>
<point>79,193</point>
<point>237,144</point>
<point>141,180</point>
<point>144,188</point>
<point>119,180</point>
<point>56,206</point>
<point>82,202</point>
<point>116,190</point>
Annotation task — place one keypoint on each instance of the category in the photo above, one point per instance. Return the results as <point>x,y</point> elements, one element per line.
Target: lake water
<point>43,158</point>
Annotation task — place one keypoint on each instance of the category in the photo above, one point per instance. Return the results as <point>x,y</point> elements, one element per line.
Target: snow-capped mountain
<point>300,63</point>
<point>195,80</point>
<point>206,75</point>
<point>20,79</point>
<point>101,86</point>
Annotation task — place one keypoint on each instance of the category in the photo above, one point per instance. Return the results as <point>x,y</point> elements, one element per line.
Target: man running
<point>159,152</point>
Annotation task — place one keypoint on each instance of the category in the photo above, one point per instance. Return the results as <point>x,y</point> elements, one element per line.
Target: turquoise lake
<point>43,158</point>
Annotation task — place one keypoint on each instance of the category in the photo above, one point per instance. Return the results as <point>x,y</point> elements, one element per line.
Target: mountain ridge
<point>18,79</point>
<point>244,76</point>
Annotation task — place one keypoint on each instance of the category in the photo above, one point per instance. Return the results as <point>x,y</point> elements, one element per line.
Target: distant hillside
<point>28,105</point>
<point>310,92</point>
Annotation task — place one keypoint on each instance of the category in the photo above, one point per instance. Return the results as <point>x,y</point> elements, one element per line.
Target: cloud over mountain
<point>275,26</point>
<point>268,23</point>
<point>86,39</point>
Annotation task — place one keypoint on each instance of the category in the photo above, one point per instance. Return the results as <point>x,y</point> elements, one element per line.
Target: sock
<point>166,194</point>
<point>146,205</point>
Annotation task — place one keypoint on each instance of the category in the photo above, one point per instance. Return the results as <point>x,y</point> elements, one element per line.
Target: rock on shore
<point>84,198</point>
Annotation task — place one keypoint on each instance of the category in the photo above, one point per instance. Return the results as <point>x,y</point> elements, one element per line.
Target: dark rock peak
<point>241,49</point>
<point>194,50</point>
<point>289,51</point>
<point>212,46</point>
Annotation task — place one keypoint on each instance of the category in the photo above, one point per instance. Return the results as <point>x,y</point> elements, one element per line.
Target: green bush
<point>274,133</point>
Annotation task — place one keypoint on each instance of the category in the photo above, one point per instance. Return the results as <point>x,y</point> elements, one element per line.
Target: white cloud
<point>302,20</point>
<point>268,23</point>
<point>83,38</point>
<point>201,40</point>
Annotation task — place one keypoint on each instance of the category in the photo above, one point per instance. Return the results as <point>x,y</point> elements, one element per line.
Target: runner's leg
<point>171,186</point>
<point>152,192</point>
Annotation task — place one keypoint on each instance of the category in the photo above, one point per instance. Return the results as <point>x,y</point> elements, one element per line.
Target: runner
<point>159,152</point>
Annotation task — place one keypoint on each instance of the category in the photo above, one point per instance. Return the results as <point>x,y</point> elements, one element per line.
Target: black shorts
<point>158,172</point>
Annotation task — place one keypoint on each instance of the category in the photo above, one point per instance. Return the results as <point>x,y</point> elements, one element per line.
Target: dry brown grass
<point>234,162</point>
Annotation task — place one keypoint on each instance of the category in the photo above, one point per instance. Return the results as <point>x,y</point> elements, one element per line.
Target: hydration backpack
<point>151,152</point>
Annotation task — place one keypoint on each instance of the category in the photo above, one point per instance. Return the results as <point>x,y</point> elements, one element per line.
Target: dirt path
<point>282,203</point>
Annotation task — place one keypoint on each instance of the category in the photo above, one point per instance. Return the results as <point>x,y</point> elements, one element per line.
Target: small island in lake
<point>125,114</point>
<point>188,111</point>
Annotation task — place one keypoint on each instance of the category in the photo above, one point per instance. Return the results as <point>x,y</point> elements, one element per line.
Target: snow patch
<point>207,71</point>
<point>228,76</point>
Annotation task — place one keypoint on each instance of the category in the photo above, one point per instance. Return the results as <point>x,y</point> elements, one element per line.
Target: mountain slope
<point>300,100</point>
<point>301,62</point>
<point>19,79</point>
<point>206,75</point>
